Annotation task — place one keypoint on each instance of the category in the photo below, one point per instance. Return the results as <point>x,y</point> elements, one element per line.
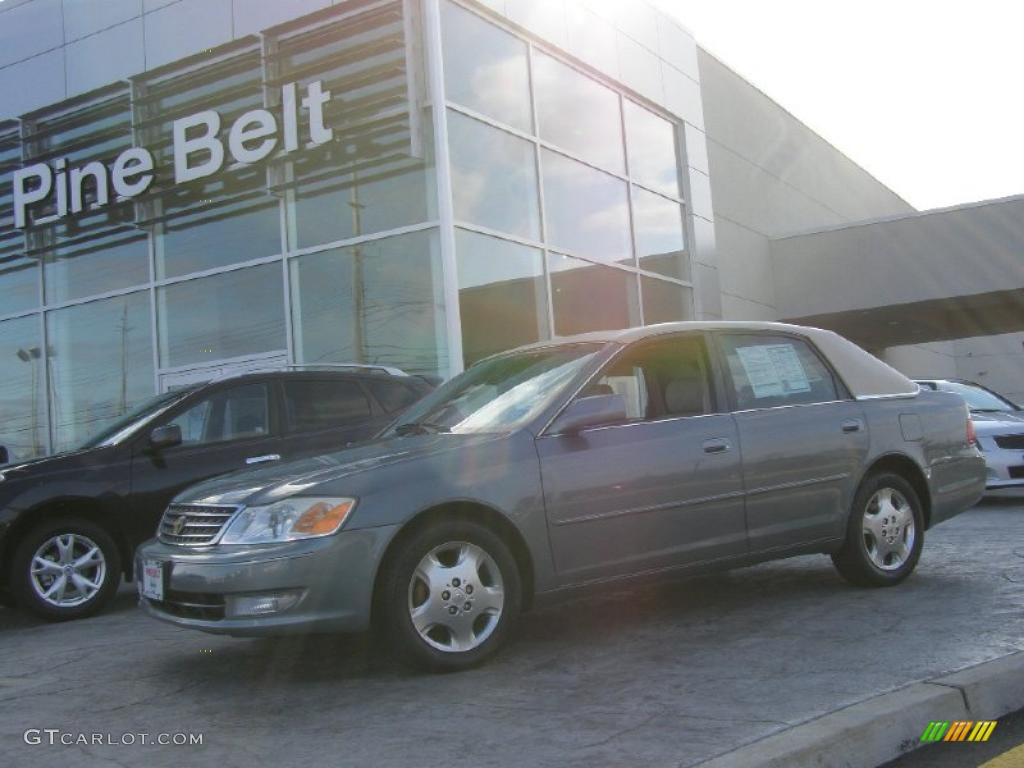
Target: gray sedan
<point>652,451</point>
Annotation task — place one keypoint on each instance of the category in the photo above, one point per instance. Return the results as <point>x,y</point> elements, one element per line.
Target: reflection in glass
<point>118,259</point>
<point>660,238</point>
<point>494,177</point>
<point>578,114</point>
<point>19,278</point>
<point>500,394</point>
<point>218,236</point>
<point>587,211</point>
<point>591,297</point>
<point>651,141</point>
<point>485,68</point>
<point>665,302</point>
<point>101,364</point>
<point>22,404</point>
<point>382,195</point>
<point>379,303</point>
<point>227,315</point>
<point>502,295</point>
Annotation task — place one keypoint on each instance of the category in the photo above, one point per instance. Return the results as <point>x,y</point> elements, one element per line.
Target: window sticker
<point>773,370</point>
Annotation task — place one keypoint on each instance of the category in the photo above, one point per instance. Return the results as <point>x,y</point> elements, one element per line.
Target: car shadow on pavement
<point>606,617</point>
<point>11,617</point>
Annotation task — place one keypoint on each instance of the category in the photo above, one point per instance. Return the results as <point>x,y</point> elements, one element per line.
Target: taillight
<point>972,438</point>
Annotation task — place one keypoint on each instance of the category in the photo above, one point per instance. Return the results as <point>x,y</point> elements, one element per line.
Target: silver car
<point>999,424</point>
<point>653,451</point>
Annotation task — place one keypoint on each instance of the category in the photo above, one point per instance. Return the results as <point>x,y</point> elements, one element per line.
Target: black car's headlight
<point>300,517</point>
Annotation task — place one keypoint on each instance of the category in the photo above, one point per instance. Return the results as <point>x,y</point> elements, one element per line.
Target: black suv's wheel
<point>65,569</point>
<point>450,595</point>
<point>884,535</point>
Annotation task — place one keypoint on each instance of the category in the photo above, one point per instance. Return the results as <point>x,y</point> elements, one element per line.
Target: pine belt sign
<point>198,153</point>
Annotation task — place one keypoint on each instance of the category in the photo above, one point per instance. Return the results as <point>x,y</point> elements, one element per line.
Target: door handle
<point>263,459</point>
<point>853,425</point>
<point>717,445</point>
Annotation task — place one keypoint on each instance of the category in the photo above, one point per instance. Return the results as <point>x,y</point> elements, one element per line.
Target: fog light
<point>262,605</point>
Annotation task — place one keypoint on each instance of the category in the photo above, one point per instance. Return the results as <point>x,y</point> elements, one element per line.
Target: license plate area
<point>153,579</point>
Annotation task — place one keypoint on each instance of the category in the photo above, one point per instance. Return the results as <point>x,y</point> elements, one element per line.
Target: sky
<point>926,95</point>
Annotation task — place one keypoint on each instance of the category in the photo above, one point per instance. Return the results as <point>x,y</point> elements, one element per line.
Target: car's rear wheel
<point>449,595</point>
<point>65,569</point>
<point>884,535</point>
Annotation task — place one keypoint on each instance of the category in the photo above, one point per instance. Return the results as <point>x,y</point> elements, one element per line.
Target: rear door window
<point>392,396</point>
<point>769,371</point>
<point>314,404</point>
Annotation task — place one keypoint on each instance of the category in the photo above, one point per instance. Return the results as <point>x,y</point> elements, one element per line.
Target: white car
<point>999,425</point>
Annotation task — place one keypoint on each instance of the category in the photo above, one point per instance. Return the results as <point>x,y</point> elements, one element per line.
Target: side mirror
<point>593,411</point>
<point>166,436</point>
<point>5,457</point>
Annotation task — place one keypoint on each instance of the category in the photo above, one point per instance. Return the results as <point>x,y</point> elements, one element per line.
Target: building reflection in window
<point>377,303</point>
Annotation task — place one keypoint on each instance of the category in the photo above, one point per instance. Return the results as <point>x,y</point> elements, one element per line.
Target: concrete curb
<point>873,732</point>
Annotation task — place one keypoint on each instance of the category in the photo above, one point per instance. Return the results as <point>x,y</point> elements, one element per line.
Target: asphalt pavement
<point>639,676</point>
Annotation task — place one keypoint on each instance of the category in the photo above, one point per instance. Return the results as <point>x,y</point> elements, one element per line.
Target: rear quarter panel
<point>931,430</point>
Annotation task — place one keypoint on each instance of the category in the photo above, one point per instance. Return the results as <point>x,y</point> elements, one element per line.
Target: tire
<point>884,535</point>
<point>451,611</point>
<point>69,539</point>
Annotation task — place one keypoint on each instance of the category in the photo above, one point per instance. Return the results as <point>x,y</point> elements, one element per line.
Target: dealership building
<point>190,188</point>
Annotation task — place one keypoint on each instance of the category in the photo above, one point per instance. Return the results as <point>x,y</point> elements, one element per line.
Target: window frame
<point>202,394</point>
<point>717,337</point>
<point>715,381</point>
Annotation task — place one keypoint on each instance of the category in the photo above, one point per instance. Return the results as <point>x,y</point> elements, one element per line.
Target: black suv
<point>69,523</point>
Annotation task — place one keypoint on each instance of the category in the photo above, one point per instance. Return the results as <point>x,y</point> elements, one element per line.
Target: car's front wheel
<point>450,595</point>
<point>885,533</point>
<point>65,569</point>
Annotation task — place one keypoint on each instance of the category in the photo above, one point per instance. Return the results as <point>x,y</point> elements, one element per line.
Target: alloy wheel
<point>68,570</point>
<point>889,529</point>
<point>456,597</point>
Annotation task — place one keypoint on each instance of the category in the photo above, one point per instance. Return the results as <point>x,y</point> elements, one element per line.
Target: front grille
<point>1013,442</point>
<point>202,523</point>
<point>1017,473</point>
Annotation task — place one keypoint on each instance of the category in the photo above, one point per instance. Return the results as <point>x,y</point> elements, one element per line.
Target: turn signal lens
<point>322,519</point>
<point>972,438</point>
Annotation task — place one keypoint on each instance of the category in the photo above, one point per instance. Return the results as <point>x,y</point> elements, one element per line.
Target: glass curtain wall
<point>567,200</point>
<point>328,254</point>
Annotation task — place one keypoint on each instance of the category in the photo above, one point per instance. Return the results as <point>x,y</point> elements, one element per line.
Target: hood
<point>269,484</point>
<point>1004,422</point>
<point>60,462</point>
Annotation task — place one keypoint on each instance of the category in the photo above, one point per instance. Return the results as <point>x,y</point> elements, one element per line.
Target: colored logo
<point>959,730</point>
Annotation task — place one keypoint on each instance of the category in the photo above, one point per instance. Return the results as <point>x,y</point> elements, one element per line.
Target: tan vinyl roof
<point>864,374</point>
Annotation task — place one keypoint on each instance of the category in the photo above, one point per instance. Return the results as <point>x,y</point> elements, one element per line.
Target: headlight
<point>299,517</point>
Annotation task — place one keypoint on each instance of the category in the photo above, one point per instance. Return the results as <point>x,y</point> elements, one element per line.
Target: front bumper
<point>332,577</point>
<point>1004,466</point>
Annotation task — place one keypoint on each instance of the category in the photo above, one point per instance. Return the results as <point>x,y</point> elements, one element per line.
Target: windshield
<point>498,394</point>
<point>979,398</point>
<point>134,419</point>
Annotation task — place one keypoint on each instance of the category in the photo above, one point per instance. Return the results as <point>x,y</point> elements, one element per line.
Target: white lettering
<point>23,196</point>
<point>130,164</point>
<point>257,124</point>
<point>185,147</point>
<point>291,118</point>
<point>98,172</point>
<point>314,102</point>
